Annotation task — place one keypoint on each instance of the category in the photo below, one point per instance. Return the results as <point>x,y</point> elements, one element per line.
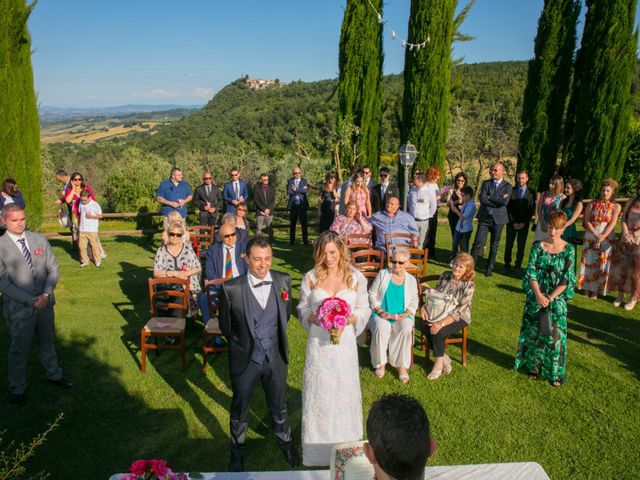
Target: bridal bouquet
<point>152,470</point>
<point>333,314</point>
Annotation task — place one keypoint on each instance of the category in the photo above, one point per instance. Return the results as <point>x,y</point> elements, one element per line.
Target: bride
<point>331,399</point>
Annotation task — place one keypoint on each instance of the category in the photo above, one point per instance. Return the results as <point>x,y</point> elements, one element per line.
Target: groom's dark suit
<point>258,351</point>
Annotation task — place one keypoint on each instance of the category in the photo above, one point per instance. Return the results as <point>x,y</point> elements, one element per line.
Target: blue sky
<point>103,53</point>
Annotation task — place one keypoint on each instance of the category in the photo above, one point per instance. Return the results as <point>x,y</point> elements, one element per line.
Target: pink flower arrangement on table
<point>153,470</point>
<point>333,314</point>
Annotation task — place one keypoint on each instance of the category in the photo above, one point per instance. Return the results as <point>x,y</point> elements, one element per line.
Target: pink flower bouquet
<point>333,314</point>
<point>153,470</point>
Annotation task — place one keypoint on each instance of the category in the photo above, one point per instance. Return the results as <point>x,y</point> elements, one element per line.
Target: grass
<point>483,413</point>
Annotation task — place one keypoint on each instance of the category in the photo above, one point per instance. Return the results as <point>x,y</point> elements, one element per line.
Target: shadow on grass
<point>66,245</point>
<point>511,288</point>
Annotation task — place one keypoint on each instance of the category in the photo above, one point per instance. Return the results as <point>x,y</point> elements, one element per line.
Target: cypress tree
<point>360,81</point>
<point>427,77</point>
<point>545,96</point>
<point>600,106</point>
<point>19,125</point>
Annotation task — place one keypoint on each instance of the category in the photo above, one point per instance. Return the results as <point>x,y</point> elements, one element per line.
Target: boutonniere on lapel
<point>284,295</point>
<point>38,251</point>
<point>243,255</point>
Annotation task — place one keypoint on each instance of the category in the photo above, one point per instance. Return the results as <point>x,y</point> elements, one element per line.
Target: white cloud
<point>156,93</point>
<point>203,92</point>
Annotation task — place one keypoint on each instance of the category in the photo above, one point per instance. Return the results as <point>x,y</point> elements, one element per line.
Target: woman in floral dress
<point>548,284</point>
<point>600,219</point>
<point>625,272</point>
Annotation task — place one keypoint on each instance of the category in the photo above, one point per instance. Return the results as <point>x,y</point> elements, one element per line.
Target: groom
<point>254,310</point>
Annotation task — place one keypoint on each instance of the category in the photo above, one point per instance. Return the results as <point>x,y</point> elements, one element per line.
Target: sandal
<point>380,371</point>
<point>556,384</point>
<point>447,368</point>
<point>404,378</point>
<point>631,304</point>
<point>533,375</point>
<point>435,374</point>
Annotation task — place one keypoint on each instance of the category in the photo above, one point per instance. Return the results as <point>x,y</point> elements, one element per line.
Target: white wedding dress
<point>331,398</point>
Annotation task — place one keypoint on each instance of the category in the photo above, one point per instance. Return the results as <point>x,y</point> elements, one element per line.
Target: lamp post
<point>407,156</point>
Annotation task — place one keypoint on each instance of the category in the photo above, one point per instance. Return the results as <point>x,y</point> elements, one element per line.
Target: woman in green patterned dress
<point>549,283</point>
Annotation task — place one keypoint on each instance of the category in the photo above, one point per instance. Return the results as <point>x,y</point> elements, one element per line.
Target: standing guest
<point>90,213</point>
<point>359,194</point>
<point>264,196</point>
<point>208,199</point>
<point>254,311</point>
<point>234,191</point>
<point>329,199</point>
<point>346,184</point>
<point>72,198</point>
<point>369,182</point>
<point>548,284</point>
<point>460,181</point>
<point>28,274</point>
<point>174,194</point>
<point>399,442</point>
<point>297,188</point>
<point>625,274</point>
<point>242,221</point>
<point>548,203</point>
<point>351,223</point>
<point>465,221</point>
<point>384,190</point>
<point>521,208</point>
<point>8,195</point>
<point>63,177</point>
<point>599,220</point>
<point>459,283</point>
<point>492,216</point>
<point>431,184</point>
<point>393,220</point>
<point>572,206</point>
<point>422,205</point>
<point>393,297</point>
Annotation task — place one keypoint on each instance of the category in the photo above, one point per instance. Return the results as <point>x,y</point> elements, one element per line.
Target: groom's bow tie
<point>262,284</point>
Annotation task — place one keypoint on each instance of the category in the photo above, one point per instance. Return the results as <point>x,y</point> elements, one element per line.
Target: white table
<point>487,471</point>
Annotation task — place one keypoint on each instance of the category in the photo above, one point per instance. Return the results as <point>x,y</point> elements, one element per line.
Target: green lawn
<point>483,413</point>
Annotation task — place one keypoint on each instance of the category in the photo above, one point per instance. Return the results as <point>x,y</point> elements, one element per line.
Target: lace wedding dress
<point>331,398</point>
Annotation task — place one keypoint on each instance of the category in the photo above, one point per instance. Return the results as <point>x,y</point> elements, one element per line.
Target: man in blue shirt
<point>174,194</point>
<point>393,220</point>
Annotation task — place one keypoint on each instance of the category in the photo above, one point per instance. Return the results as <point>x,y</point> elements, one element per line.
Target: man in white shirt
<point>366,175</point>
<point>90,213</point>
<point>422,206</point>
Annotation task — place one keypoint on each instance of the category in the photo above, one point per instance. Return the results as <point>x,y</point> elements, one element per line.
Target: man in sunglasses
<point>208,199</point>
<point>381,192</point>
<point>235,191</point>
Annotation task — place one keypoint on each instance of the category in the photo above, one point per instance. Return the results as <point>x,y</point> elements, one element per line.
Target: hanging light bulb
<point>393,35</point>
<point>379,18</point>
<point>404,43</point>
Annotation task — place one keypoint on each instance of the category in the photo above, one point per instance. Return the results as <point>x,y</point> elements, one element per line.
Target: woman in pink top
<point>350,223</point>
<point>359,195</point>
<point>72,197</point>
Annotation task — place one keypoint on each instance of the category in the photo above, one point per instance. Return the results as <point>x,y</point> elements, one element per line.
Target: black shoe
<point>17,399</point>
<point>61,382</point>
<point>290,455</point>
<point>488,272</point>
<point>236,463</point>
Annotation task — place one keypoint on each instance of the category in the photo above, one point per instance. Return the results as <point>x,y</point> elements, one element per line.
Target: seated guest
<point>459,283</point>
<point>399,442</point>
<point>393,220</point>
<point>230,218</point>
<point>242,221</point>
<point>175,259</point>
<point>393,297</point>
<point>174,217</point>
<point>352,222</point>
<point>625,272</point>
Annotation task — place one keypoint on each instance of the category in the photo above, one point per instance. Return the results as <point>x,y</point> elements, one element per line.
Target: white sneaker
<point>82,265</point>
<point>98,265</point>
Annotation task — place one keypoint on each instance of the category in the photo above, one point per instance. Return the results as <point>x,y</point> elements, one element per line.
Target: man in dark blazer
<point>28,274</point>
<point>235,191</point>
<point>383,191</point>
<point>492,215</point>
<point>264,196</point>
<point>520,208</point>
<point>254,311</point>
<point>297,188</point>
<point>208,199</point>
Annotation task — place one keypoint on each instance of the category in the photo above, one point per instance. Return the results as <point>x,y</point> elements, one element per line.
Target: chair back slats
<point>171,287</point>
<point>396,239</point>
<point>367,260</point>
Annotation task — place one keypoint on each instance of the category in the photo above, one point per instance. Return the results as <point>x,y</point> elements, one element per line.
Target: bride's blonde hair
<point>344,264</point>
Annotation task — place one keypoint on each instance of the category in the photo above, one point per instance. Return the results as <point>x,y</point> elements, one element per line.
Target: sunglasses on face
<point>398,262</point>
<point>175,234</point>
<point>229,235</point>
<point>77,179</point>
<point>384,175</point>
<point>235,174</point>
<point>208,178</point>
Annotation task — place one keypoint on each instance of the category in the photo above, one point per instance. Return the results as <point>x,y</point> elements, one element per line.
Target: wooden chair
<point>212,330</point>
<point>418,259</point>
<point>424,343</point>
<point>369,275</point>
<point>368,260</point>
<point>396,239</point>
<point>358,241</point>
<point>162,327</point>
<point>201,237</point>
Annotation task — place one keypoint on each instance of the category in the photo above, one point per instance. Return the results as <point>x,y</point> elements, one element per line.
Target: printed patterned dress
<point>546,355</point>
<point>596,262</point>
<point>185,260</point>
<point>550,203</point>
<point>625,272</point>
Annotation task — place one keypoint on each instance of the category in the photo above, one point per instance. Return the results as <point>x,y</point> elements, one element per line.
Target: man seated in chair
<point>393,220</point>
<point>398,438</point>
<point>225,260</point>
<point>242,237</point>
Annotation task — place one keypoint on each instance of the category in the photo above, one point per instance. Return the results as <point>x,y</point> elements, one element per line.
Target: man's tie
<point>228,269</point>
<point>208,190</point>
<point>262,284</point>
<point>236,190</point>
<point>522,193</point>
<point>383,190</point>
<point>25,253</point>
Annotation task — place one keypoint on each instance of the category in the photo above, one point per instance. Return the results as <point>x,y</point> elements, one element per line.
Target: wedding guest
<point>230,218</point>
<point>297,188</point>
<point>421,206</point>
<point>384,190</point>
<point>459,283</point>
<point>90,214</point>
<point>358,194</point>
<point>208,200</point>
<point>460,181</point>
<point>264,197</point>
<point>72,198</point>
<point>234,191</point>
<point>398,438</point>
<point>465,214</point>
<point>329,199</point>
<point>572,206</point>
<point>242,221</point>
<point>331,374</point>
<point>548,203</point>
<point>521,209</point>
<point>63,177</point>
<point>174,194</point>
<point>393,297</point>
<point>548,284</point>
<point>174,217</point>
<point>346,184</point>
<point>8,195</point>
<point>393,220</point>
<point>431,183</point>
<point>351,223</point>
<point>625,272</point>
<point>599,220</point>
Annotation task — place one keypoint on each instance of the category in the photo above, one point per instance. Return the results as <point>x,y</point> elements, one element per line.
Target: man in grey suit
<point>28,274</point>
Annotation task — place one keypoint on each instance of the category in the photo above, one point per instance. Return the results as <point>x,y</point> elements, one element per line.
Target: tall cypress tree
<point>545,96</point>
<point>427,77</point>
<point>600,106</point>
<point>360,81</point>
<point>19,125</point>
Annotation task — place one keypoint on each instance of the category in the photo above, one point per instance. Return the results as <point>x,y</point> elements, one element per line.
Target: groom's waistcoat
<point>265,326</point>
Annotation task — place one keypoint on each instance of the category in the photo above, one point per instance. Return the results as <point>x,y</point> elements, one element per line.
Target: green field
<point>482,413</point>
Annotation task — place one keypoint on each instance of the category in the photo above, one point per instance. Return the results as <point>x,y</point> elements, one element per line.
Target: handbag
<point>63,217</point>
<point>544,321</point>
<point>438,305</point>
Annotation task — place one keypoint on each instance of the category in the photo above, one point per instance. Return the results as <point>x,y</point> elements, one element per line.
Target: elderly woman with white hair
<point>393,297</point>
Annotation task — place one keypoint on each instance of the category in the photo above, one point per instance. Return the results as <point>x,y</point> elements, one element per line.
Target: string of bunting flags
<point>394,34</point>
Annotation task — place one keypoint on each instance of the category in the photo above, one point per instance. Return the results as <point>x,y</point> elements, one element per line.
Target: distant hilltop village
<point>260,84</point>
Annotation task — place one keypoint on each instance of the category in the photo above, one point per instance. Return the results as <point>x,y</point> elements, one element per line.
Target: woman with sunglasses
<point>242,222</point>
<point>393,297</point>
<point>459,182</point>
